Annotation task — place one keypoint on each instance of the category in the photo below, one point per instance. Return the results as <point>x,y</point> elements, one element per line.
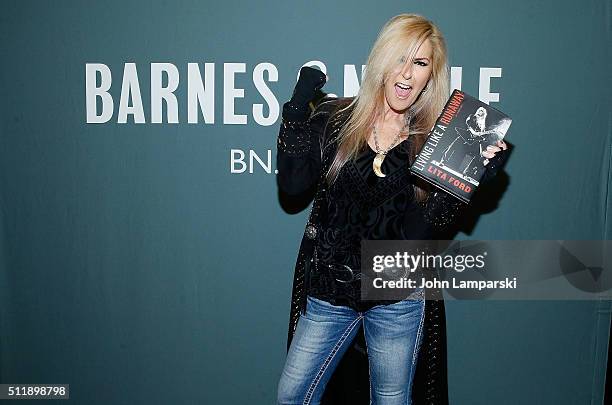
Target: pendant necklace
<point>380,155</point>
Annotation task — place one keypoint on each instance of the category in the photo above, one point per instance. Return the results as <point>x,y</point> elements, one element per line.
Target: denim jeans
<point>323,334</point>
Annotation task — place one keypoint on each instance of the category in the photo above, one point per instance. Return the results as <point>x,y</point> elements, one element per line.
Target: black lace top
<point>358,205</point>
<point>361,205</point>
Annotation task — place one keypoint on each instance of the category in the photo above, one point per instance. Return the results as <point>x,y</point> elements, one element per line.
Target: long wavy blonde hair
<point>401,36</point>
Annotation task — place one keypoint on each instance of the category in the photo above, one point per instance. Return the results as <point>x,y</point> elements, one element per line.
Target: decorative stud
<point>311,231</point>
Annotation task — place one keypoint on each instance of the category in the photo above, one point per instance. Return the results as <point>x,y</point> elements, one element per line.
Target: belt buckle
<point>343,269</point>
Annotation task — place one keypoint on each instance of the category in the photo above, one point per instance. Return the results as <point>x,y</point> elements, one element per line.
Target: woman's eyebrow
<point>423,58</point>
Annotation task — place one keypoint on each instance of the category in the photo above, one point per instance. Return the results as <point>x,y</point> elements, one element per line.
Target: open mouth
<point>402,91</point>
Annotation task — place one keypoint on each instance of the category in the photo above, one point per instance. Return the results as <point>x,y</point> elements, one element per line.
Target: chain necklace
<point>380,154</point>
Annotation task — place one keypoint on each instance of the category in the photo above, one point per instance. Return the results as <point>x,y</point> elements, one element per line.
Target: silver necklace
<point>380,154</point>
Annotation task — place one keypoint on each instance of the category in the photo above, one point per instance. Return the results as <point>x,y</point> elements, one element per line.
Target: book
<point>450,158</point>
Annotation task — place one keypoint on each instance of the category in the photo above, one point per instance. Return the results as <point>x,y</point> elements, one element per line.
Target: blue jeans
<point>323,334</point>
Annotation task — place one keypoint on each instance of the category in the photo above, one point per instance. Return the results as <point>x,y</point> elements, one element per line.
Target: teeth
<point>403,86</point>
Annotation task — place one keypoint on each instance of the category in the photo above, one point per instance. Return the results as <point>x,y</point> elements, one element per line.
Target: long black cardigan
<point>296,151</point>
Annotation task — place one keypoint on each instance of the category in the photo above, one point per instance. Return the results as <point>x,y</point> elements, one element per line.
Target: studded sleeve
<point>298,152</point>
<point>441,210</point>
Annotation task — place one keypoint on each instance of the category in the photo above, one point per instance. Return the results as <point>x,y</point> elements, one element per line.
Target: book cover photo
<point>451,157</point>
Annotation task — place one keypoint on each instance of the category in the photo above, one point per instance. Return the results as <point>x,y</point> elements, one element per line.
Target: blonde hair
<point>402,35</point>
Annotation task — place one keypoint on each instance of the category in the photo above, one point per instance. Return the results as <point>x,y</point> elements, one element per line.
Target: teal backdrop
<point>136,267</point>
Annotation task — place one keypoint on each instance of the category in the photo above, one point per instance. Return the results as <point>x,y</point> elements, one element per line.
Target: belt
<point>342,273</point>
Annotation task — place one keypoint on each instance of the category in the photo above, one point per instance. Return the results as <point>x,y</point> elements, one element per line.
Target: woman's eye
<point>416,62</point>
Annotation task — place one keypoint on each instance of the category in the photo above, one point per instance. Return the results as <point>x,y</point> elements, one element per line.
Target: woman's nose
<point>407,71</point>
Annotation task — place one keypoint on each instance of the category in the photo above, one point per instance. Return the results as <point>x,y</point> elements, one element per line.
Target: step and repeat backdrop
<point>146,255</point>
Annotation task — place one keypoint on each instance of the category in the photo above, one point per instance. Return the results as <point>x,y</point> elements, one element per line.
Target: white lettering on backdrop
<point>200,99</point>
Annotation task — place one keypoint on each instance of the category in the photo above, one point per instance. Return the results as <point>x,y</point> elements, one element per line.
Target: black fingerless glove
<point>495,163</point>
<point>310,81</point>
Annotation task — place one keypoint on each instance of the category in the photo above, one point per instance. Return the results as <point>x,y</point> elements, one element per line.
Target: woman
<point>354,153</point>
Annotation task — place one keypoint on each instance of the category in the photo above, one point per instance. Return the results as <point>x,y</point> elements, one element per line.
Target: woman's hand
<point>309,82</point>
<point>491,150</point>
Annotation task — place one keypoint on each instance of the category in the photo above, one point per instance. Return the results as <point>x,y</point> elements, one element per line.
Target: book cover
<point>451,156</point>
